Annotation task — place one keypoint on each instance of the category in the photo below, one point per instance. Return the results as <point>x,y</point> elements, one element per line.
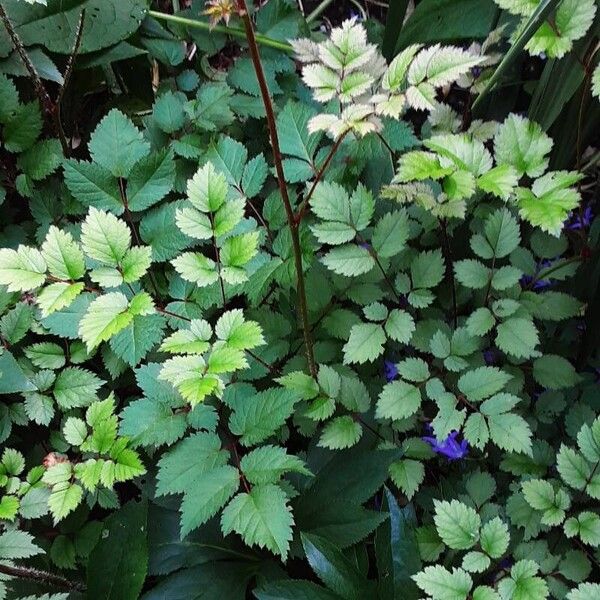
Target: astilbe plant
<point>286,354</point>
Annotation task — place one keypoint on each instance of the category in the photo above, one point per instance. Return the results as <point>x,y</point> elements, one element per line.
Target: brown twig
<point>40,90</point>
<point>277,159</point>
<point>66,79</point>
<point>44,577</point>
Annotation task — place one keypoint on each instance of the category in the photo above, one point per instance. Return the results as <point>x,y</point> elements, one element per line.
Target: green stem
<point>318,10</point>
<point>236,32</point>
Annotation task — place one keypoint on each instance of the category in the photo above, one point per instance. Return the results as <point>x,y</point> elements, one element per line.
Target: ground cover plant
<point>299,300</point>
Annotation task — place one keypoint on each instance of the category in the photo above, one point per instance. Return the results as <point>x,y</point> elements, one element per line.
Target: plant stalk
<point>41,577</point>
<point>263,40</point>
<point>277,159</point>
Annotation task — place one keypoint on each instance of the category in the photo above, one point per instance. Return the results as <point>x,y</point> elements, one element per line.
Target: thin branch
<point>303,207</point>
<point>44,577</point>
<point>66,80</point>
<point>72,57</point>
<point>263,40</point>
<point>38,85</point>
<point>277,159</point>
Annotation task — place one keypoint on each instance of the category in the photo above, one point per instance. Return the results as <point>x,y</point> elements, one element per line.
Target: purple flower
<point>451,448</point>
<point>581,221</point>
<point>539,284</point>
<point>489,356</point>
<point>390,370</point>
<point>364,245</point>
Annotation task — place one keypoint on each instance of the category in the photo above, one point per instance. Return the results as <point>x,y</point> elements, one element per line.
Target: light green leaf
<point>22,269</point>
<point>523,145</point>
<point>63,255</point>
<point>104,237</point>
<point>441,584</point>
<point>106,316</point>
<point>457,524</point>
<point>482,383</point>
<point>365,343</point>
<point>260,416</point>
<point>268,463</point>
<point>349,260</point>
<point>262,517</point>
<point>340,432</point>
<point>398,400</point>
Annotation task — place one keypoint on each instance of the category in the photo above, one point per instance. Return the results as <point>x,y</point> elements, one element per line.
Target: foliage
<point>309,324</point>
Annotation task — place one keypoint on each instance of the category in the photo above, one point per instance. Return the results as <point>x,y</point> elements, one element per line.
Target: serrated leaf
<point>262,517</point>
<point>116,144</point>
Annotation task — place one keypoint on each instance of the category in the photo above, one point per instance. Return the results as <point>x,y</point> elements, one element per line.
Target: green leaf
<point>457,524</point>
<point>207,190</point>
<point>17,544</point>
<point>391,234</point>
<point>295,139</point>
<point>133,343</point>
<point>93,185</point>
<point>472,274</point>
<point>22,269</point>
<point>46,355</point>
<point>57,296</point>
<point>571,22</point>
<point>523,145</point>
<point>501,233</point>
<point>262,518</point>
<point>116,144</point>
<point>399,326</point>
<point>427,269</point>
<point>150,423</point>
<point>408,475</point>
<point>59,29</point>
<point>398,400</point>
<point>268,463</point>
<point>332,567</point>
<point>15,324</point>
<point>76,387</point>
<point>483,382</point>
<point>549,202</point>
<point>204,498</point>
<point>554,372</point>
<point>168,112</point>
<point>294,589</point>
<point>188,461</point>
<point>500,181</point>
<point>22,130</point>
<point>349,260</point>
<point>238,333</point>
<point>441,584</point>
<point>150,180</point>
<point>105,317</point>
<point>494,538</point>
<point>63,255</point>
<point>523,584</point>
<point>104,237</point>
<point>517,337</point>
<point>259,417</point>
<point>118,563</point>
<point>197,268</point>
<point>365,343</point>
<point>510,432</point>
<point>340,432</point>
